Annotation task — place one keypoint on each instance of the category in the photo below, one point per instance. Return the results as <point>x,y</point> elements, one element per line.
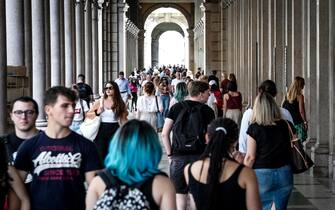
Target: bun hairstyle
<point>222,133</point>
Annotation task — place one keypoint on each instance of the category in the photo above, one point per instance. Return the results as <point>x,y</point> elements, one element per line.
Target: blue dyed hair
<point>181,91</point>
<point>134,152</point>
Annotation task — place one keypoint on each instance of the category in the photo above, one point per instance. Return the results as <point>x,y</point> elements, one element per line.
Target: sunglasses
<point>108,88</point>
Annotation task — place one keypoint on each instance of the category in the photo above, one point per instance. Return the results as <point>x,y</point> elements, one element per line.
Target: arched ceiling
<point>163,27</point>
<point>185,9</point>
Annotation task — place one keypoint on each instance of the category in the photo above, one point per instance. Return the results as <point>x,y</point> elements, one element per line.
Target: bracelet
<point>96,113</point>
<point>305,122</point>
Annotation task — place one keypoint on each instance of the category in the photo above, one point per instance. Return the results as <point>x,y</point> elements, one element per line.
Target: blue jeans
<point>166,102</point>
<point>275,186</point>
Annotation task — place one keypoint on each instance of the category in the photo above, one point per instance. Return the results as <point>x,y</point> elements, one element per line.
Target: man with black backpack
<point>84,90</point>
<point>188,122</point>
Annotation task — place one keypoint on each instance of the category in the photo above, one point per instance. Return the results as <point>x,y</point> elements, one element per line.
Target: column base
<point>320,156</point>
<point>41,124</point>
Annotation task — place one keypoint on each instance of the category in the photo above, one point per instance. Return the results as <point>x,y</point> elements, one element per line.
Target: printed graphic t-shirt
<point>58,167</point>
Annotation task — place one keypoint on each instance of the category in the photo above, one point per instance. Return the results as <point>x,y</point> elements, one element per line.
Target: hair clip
<point>221,129</point>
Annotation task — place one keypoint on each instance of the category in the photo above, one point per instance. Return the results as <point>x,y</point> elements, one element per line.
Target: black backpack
<point>120,196</point>
<point>189,130</point>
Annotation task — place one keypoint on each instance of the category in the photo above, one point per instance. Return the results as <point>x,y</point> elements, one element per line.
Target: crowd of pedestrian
<point>219,157</point>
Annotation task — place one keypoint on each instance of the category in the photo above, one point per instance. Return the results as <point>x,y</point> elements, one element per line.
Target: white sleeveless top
<point>108,116</point>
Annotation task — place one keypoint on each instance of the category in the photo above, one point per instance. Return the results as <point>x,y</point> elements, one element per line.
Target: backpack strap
<point>108,178</point>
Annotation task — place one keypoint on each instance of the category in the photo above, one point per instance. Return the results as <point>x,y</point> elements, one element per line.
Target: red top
<point>234,102</point>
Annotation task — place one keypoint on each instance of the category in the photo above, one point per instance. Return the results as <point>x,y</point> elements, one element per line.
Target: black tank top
<point>293,108</point>
<point>230,194</point>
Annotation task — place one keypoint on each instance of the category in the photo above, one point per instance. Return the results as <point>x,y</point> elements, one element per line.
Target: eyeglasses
<point>28,113</point>
<point>108,88</point>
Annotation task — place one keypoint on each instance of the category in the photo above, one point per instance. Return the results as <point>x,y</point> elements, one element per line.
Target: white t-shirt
<point>242,141</point>
<point>147,103</point>
<point>78,110</point>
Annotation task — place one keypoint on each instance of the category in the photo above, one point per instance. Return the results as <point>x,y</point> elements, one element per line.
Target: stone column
<point>141,49</point>
<point>114,42</point>
<point>211,36</point>
<point>47,44</point>
<point>68,43</point>
<point>80,61</point>
<point>95,49</point>
<point>279,49</point>
<point>332,87</point>
<point>55,42</point>
<point>15,32</point>
<point>3,69</point>
<point>122,9</point>
<point>191,49</point>
<point>154,51</point>
<point>88,42</point>
<point>298,38</point>
<point>100,48</point>
<point>311,78</point>
<point>27,45</point>
<point>320,152</point>
<point>38,51</point>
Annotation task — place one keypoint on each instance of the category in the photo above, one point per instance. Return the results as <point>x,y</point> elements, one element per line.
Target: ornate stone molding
<point>199,28</point>
<point>227,3</point>
<point>132,28</point>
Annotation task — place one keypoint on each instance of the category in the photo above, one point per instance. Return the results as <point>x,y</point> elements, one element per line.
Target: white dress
<point>147,109</point>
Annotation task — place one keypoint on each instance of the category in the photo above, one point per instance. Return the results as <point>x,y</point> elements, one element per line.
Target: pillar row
<point>38,57</point>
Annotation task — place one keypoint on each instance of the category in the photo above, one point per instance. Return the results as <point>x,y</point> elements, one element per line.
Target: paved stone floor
<point>308,194</point>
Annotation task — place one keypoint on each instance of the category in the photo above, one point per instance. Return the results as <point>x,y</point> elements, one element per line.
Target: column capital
<point>209,7</point>
<point>141,33</point>
<point>190,32</point>
<point>123,7</point>
<point>132,28</point>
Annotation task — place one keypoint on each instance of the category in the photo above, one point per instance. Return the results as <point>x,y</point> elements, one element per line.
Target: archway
<point>163,19</point>
<point>186,22</point>
<point>156,34</point>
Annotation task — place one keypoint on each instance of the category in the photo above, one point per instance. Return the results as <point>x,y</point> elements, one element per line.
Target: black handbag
<point>300,161</point>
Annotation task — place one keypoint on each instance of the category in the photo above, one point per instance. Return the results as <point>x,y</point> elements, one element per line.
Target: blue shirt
<point>123,85</point>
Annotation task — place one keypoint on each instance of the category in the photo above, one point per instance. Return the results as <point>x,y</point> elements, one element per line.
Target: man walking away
<point>188,122</point>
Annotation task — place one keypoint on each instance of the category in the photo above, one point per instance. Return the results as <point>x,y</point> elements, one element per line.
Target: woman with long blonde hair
<point>294,102</point>
<point>268,152</point>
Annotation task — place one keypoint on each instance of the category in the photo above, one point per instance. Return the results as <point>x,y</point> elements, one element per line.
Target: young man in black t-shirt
<point>59,159</point>
<point>84,90</point>
<point>198,96</point>
<point>23,113</point>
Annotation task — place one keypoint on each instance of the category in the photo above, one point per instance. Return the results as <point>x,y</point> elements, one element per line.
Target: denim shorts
<point>275,186</point>
<point>177,172</point>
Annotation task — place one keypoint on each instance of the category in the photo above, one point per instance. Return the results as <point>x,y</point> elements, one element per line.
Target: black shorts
<point>177,172</point>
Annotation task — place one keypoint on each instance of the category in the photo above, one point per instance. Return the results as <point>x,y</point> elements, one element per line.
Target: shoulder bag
<point>300,161</point>
<point>90,127</point>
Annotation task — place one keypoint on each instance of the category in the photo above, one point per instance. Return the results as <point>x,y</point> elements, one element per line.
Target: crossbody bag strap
<point>157,104</point>
<point>82,108</point>
<point>293,137</point>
